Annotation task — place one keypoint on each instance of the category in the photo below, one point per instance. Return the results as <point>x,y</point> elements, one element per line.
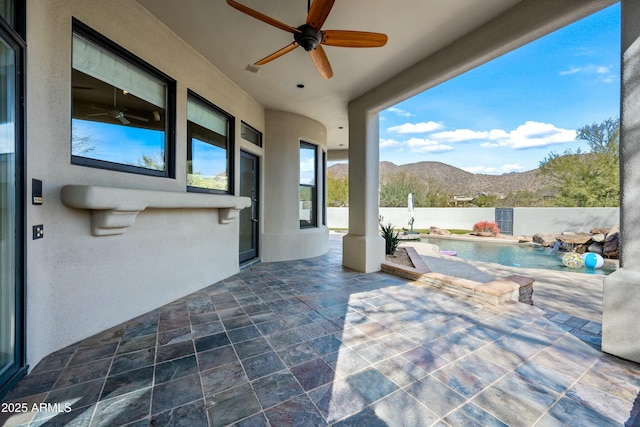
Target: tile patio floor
<point>308,343</point>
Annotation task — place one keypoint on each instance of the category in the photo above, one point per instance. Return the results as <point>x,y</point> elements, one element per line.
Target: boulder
<point>601,230</point>
<point>611,243</point>
<point>439,231</point>
<point>575,239</point>
<point>596,248</point>
<point>546,240</point>
<point>612,231</point>
<point>599,238</point>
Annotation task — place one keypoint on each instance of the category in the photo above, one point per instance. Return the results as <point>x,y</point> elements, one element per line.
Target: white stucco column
<point>621,304</point>
<point>363,247</point>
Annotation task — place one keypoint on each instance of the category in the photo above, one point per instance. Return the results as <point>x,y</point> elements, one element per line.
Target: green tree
<point>81,144</point>
<point>395,188</point>
<point>588,179</point>
<point>522,198</point>
<point>433,196</point>
<point>337,190</point>
<point>151,161</point>
<point>485,200</point>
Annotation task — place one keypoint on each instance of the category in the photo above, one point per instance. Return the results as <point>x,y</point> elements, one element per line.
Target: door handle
<point>254,220</point>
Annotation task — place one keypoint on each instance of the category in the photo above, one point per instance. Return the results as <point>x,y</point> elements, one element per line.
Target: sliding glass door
<point>11,259</point>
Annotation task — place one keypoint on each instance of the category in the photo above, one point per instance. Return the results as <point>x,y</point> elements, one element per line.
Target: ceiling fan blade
<point>318,13</point>
<point>98,114</point>
<point>278,54</point>
<point>131,116</point>
<point>262,17</point>
<point>342,38</point>
<point>321,62</point>
<point>123,120</point>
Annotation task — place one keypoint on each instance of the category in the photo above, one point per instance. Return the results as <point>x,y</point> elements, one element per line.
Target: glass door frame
<point>19,367</point>
<point>246,256</point>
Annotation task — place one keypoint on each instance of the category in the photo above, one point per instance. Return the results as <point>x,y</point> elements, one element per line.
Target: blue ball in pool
<point>592,260</point>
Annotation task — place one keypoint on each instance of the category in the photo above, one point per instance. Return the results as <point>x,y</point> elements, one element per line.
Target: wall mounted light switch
<point>38,231</point>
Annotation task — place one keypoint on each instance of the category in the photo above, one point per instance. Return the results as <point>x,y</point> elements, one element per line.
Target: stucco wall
<point>79,284</point>
<point>282,238</point>
<point>527,221</point>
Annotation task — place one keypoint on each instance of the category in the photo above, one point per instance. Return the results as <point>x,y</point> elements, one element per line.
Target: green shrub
<point>390,237</point>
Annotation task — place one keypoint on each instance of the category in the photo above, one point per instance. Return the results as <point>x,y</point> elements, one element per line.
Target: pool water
<point>513,255</point>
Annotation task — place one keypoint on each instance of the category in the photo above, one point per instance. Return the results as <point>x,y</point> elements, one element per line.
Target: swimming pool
<point>513,255</point>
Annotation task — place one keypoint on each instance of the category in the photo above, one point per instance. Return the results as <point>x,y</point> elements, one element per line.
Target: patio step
<point>509,289</point>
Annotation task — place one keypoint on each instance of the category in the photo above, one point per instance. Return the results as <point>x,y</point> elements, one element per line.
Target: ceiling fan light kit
<point>311,37</point>
<point>308,38</point>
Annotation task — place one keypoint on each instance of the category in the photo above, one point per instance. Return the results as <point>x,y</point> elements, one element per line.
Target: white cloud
<point>602,72</point>
<point>422,127</point>
<point>572,70</point>
<point>387,143</point>
<point>514,167</point>
<point>7,139</point>
<point>307,171</point>
<point>400,112</point>
<point>488,170</point>
<point>489,145</point>
<point>459,135</point>
<point>481,169</point>
<point>529,135</point>
<point>423,145</point>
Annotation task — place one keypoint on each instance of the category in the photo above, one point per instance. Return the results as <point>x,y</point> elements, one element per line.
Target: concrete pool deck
<point>575,294</point>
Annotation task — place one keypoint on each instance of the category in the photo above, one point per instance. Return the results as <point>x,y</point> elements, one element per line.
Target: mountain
<point>449,179</point>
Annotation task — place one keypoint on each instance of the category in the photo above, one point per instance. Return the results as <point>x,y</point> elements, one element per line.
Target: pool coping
<point>514,288</point>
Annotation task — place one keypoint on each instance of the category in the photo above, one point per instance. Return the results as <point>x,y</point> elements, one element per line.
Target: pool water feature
<point>512,255</point>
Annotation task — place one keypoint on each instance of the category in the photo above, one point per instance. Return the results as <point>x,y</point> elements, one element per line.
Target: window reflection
<point>118,111</point>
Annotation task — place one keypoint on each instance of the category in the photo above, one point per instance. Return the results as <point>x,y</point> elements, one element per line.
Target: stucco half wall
<point>78,284</point>
<point>282,237</point>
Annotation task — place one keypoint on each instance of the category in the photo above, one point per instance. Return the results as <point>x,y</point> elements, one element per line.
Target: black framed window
<point>210,148</point>
<point>123,109</point>
<point>13,12</point>
<point>250,134</point>
<point>324,187</point>
<point>308,190</point>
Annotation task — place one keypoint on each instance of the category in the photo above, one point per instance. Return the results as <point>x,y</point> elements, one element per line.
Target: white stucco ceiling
<point>231,40</point>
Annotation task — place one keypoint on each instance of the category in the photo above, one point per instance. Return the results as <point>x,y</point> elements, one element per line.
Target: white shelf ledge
<point>114,210</point>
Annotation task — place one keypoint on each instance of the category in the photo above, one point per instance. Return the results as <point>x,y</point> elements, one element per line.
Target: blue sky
<point>127,145</point>
<point>509,114</point>
<point>117,143</point>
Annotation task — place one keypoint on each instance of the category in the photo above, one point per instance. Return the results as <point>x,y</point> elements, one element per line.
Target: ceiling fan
<point>119,114</point>
<point>311,36</point>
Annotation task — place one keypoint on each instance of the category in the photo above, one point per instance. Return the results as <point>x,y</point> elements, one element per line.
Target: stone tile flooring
<point>308,343</point>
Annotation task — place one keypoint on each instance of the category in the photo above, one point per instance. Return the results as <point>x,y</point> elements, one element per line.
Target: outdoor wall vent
<point>253,69</point>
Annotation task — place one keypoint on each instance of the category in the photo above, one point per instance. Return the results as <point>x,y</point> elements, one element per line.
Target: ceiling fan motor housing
<point>308,38</point>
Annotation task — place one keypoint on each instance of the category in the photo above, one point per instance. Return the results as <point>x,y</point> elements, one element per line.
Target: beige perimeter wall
<point>527,221</point>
